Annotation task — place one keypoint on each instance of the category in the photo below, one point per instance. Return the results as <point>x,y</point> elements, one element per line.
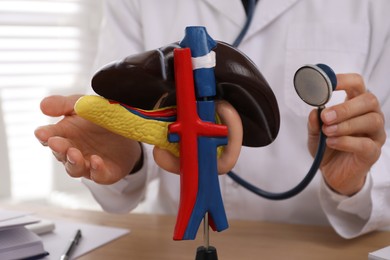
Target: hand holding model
<point>90,151</point>
<point>86,150</point>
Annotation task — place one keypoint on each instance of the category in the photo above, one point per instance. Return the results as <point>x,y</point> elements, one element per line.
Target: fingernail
<point>93,165</point>
<point>331,142</point>
<point>70,160</point>
<point>330,116</point>
<point>331,129</point>
<point>43,143</point>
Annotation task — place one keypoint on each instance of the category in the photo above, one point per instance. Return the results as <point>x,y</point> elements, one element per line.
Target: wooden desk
<point>151,238</point>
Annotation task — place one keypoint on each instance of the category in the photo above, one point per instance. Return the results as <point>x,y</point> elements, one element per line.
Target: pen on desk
<point>72,245</point>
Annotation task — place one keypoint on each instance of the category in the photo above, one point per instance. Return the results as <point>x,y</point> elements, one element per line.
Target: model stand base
<point>203,253</point>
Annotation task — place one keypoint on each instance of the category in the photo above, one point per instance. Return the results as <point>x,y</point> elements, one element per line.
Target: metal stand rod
<point>206,231</point>
<point>206,252</point>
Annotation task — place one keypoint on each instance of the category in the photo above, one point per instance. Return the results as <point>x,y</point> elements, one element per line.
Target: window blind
<point>46,47</point>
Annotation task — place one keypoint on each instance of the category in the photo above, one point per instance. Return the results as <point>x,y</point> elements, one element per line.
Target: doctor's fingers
<point>313,128</point>
<point>369,125</point>
<point>44,133</point>
<point>104,173</point>
<point>365,149</point>
<point>360,105</point>
<point>360,116</point>
<point>75,164</point>
<point>352,83</point>
<point>58,105</point>
<point>93,168</point>
<point>59,147</point>
<point>313,123</point>
<point>73,160</point>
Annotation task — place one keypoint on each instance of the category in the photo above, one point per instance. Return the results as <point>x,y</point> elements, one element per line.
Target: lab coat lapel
<point>266,12</point>
<point>232,10</point>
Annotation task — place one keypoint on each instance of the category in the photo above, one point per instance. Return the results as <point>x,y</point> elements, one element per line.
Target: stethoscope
<point>314,84</point>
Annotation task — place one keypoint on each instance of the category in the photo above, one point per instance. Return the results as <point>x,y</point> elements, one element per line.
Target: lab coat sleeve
<point>367,210</point>
<point>349,216</point>
<point>122,196</point>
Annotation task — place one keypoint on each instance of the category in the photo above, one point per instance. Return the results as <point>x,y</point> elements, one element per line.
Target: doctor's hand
<point>356,134</point>
<point>85,149</point>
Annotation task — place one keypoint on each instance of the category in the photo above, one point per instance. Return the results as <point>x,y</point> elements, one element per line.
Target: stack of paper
<point>18,236</point>
<point>16,241</point>
<point>381,254</point>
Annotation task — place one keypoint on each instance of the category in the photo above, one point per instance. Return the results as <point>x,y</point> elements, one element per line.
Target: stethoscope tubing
<point>248,21</point>
<point>298,188</point>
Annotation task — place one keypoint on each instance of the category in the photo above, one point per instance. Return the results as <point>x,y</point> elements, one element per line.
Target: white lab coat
<point>348,35</point>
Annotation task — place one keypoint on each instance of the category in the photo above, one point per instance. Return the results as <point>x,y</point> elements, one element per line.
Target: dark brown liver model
<point>142,80</point>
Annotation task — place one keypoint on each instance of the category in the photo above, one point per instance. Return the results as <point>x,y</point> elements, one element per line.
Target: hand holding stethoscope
<point>355,134</point>
<point>355,129</point>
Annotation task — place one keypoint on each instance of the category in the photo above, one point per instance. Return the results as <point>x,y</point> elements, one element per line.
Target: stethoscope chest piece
<point>315,83</point>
